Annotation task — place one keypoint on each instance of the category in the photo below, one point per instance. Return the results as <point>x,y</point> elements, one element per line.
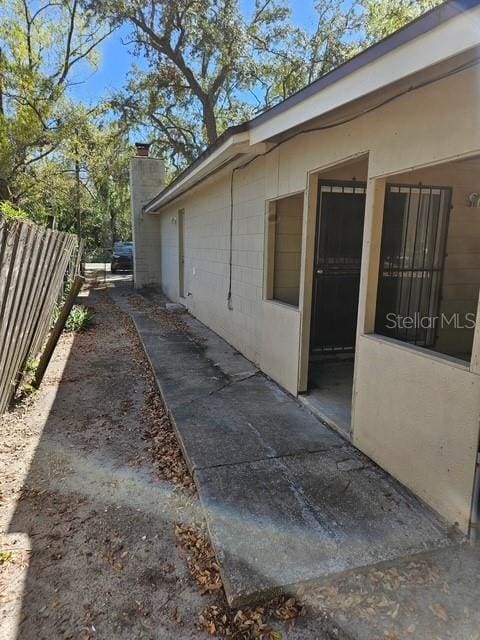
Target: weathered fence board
<point>33,264</point>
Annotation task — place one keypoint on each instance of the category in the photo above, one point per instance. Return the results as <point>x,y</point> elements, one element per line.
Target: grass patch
<point>79,319</point>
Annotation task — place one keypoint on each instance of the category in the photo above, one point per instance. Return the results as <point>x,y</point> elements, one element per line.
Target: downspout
<point>475,513</point>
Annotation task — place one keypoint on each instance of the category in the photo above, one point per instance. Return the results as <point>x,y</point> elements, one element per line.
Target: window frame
<point>269,248</point>
<point>434,299</point>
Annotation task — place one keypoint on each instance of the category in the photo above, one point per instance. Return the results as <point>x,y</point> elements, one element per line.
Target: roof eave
<point>217,155</point>
<point>285,116</point>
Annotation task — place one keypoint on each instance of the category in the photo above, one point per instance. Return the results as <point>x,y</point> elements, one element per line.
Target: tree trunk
<point>4,192</point>
<point>78,211</point>
<point>113,223</point>
<point>209,120</point>
<point>1,85</point>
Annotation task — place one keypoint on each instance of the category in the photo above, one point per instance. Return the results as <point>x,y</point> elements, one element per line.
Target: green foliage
<point>28,376</point>
<point>211,65</point>
<point>8,210</point>
<point>79,318</point>
<point>57,158</point>
<point>99,194</point>
<point>201,57</point>
<point>41,44</point>
<point>383,17</point>
<point>31,366</point>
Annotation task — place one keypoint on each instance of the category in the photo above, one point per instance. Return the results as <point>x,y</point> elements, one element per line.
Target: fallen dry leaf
<point>439,611</point>
<point>163,445</point>
<point>250,623</point>
<point>200,557</point>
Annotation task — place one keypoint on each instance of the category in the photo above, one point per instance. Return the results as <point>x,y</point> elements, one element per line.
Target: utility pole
<point>1,82</point>
<point>3,182</point>
<point>78,208</point>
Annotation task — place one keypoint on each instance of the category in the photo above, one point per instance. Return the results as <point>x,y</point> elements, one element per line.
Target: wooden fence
<point>34,263</point>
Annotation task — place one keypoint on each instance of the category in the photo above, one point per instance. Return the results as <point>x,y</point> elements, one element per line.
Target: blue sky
<point>116,57</point>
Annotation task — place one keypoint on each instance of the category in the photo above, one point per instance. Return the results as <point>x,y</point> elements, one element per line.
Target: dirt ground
<point>89,547</point>
<point>97,506</point>
<point>101,534</point>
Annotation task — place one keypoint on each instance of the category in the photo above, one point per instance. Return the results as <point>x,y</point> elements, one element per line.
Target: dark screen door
<point>338,255</point>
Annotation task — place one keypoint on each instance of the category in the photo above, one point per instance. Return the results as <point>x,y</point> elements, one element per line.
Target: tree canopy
<point>198,67</point>
<point>53,151</point>
<point>41,44</point>
<point>211,64</point>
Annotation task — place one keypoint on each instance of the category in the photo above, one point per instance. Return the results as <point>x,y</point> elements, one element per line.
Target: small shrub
<point>11,212</point>
<point>31,366</point>
<point>28,376</point>
<point>80,318</point>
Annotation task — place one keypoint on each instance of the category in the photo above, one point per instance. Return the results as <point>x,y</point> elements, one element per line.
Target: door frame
<point>181,252</point>
<point>308,249</point>
<point>351,185</point>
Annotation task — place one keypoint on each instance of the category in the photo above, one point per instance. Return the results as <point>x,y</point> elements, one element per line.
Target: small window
<point>284,249</point>
<point>412,259</point>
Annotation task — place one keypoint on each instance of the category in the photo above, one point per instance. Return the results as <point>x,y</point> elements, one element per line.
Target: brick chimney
<point>142,149</point>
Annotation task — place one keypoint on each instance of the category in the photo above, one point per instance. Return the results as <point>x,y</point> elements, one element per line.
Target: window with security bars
<point>411,265</point>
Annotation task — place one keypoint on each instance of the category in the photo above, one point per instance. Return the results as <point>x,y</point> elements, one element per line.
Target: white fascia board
<point>233,145</point>
<point>448,39</point>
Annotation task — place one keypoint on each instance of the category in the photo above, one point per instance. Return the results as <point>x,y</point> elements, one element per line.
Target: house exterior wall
<point>168,254</point>
<point>417,416</point>
<point>438,123</point>
<point>417,413</point>
<point>206,255</point>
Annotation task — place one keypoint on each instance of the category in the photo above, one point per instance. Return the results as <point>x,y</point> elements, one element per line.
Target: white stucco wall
<point>418,416</point>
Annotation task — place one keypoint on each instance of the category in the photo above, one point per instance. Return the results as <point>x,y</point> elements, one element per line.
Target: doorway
<point>336,283</point>
<point>181,254</point>
<point>338,256</point>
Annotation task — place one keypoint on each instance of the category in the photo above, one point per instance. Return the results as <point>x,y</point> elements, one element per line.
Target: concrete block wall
<point>207,252</point>
<point>147,177</point>
<point>393,143</point>
<point>168,251</point>
<point>399,137</point>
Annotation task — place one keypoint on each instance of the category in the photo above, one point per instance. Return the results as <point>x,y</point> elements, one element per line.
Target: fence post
<point>56,331</point>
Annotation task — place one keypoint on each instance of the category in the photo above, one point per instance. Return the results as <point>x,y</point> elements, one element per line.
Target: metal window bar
<point>412,260</point>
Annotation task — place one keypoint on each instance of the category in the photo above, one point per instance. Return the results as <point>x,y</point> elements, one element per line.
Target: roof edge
<point>417,27</point>
<point>228,136</point>
<point>421,25</point>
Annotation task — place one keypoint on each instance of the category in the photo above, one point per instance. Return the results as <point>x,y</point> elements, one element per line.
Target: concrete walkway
<point>287,500</point>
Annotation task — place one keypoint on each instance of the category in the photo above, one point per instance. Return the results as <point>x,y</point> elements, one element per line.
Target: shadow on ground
<point>103,561</point>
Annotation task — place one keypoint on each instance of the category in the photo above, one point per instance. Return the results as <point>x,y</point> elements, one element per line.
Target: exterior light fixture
<point>474,200</point>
